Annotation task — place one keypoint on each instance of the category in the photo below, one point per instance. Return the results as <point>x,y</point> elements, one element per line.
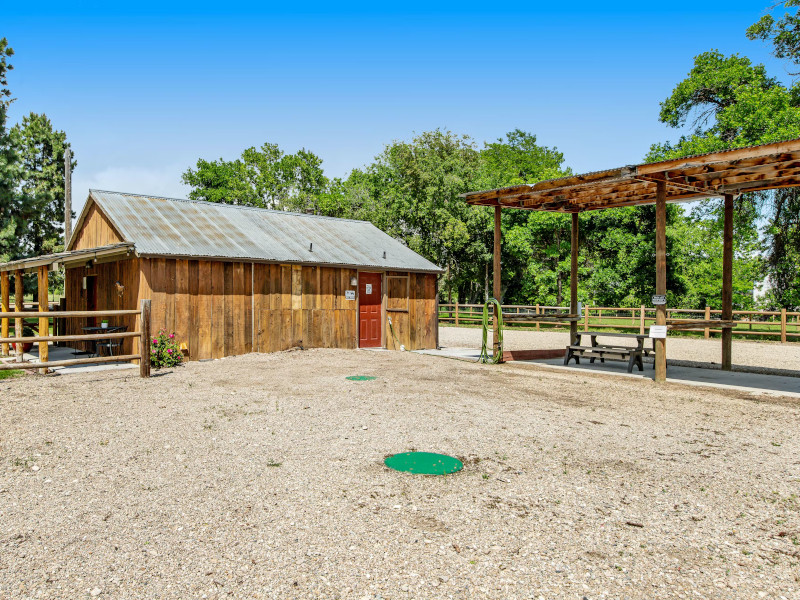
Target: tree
<point>265,177</point>
<point>10,170</point>
<point>41,150</point>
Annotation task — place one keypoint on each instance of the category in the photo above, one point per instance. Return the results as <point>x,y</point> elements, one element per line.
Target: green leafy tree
<point>266,177</point>
<point>10,169</point>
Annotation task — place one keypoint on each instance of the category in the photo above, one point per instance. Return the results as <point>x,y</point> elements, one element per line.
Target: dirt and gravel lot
<point>261,477</point>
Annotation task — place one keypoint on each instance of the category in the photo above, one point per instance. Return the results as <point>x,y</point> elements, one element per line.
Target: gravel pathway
<point>261,477</point>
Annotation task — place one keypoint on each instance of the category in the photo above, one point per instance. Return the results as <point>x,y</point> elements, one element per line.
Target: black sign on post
<point>659,299</point>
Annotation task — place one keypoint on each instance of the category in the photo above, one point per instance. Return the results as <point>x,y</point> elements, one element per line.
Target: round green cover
<point>424,463</point>
<point>361,378</point>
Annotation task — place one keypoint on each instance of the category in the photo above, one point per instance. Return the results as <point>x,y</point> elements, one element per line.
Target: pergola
<point>723,174</point>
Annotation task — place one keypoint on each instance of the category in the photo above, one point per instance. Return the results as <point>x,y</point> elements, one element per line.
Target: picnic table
<point>619,351</point>
<point>104,343</point>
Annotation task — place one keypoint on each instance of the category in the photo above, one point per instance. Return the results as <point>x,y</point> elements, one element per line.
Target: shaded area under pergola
<point>725,174</point>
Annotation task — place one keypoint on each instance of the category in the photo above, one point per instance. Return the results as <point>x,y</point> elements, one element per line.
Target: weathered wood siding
<point>411,305</point>
<point>227,308</point>
<point>109,296</point>
<point>96,231</point>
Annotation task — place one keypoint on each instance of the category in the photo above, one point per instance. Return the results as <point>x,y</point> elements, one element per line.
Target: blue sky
<point>143,90</point>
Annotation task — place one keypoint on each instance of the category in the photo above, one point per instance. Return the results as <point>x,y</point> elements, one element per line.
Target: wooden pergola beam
<point>727,282</point>
<point>497,289</point>
<point>660,344</point>
<point>573,279</point>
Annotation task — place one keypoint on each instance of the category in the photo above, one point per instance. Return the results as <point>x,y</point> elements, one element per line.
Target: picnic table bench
<point>631,354</point>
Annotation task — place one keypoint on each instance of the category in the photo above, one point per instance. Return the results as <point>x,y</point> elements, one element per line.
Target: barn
<point>229,280</point>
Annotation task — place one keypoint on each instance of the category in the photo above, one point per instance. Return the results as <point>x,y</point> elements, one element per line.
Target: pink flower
<point>171,335</point>
<point>169,350</point>
<point>155,341</point>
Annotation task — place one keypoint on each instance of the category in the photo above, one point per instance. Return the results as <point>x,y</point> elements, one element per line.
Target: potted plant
<point>104,323</point>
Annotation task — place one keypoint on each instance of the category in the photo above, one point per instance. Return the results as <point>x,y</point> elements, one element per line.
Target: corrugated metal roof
<point>173,227</point>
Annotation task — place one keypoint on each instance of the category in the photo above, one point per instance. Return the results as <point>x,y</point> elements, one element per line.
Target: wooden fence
<point>782,324</point>
<point>43,337</point>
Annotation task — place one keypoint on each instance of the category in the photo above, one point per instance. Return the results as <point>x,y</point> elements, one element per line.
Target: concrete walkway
<point>756,383</point>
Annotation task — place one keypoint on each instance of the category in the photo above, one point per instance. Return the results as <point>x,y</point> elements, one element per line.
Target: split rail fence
<point>43,336</point>
<point>782,324</point>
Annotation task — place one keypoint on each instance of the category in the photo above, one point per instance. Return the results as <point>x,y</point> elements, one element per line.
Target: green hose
<point>498,356</point>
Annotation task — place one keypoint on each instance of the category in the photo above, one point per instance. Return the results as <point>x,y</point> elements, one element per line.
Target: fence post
<point>708,318</point>
<point>641,320</point>
<point>586,318</point>
<point>19,305</point>
<point>537,313</point>
<point>144,344</point>
<point>456,313</point>
<point>783,325</point>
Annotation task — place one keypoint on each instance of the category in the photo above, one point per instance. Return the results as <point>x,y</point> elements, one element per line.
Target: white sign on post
<point>658,331</point>
<point>369,289</point>
<point>659,300</point>
<point>349,294</point>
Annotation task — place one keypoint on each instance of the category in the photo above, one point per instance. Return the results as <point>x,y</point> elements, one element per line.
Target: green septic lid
<point>424,463</point>
<point>361,378</point>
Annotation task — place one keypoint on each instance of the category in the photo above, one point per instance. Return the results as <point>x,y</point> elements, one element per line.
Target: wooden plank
<point>205,314</point>
<point>70,362</point>
<point>217,309</point>
<point>144,328</point>
<point>193,330</point>
<point>5,301</point>
<point>228,309</point>
<point>660,344</point>
<point>727,281</point>
<point>170,287</point>
<point>74,338</point>
<point>497,282</point>
<point>158,278</point>
<point>44,322</point>
<point>19,304</point>
<point>182,303</point>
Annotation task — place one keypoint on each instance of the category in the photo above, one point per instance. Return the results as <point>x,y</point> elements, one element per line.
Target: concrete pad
<point>56,353</point>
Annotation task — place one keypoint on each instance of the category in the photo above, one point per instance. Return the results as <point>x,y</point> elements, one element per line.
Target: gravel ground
<point>747,353</point>
<point>261,477</point>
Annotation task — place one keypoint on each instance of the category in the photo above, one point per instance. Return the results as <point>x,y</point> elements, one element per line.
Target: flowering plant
<point>164,351</point>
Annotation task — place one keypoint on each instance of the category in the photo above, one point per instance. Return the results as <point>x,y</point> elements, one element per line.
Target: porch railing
<point>19,339</point>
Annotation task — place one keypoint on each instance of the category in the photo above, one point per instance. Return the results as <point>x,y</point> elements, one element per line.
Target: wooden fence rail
<point>42,338</point>
<point>781,324</point>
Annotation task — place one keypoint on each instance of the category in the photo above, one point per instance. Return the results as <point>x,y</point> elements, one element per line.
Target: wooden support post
<point>586,318</point>
<point>573,280</point>
<point>707,331</point>
<point>497,289</point>
<point>44,322</point>
<point>661,278</point>
<point>538,313</point>
<point>5,297</point>
<point>456,313</point>
<point>641,320</point>
<point>727,281</point>
<point>144,343</point>
<point>783,325</point>
<point>18,306</point>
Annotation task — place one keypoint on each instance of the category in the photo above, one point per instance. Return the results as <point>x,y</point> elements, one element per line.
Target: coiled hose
<point>498,356</point>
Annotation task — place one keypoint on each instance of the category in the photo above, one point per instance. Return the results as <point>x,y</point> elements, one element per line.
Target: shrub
<point>164,351</point>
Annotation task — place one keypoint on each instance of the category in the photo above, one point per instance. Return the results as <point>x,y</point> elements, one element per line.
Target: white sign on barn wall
<point>349,294</point>
<point>369,288</point>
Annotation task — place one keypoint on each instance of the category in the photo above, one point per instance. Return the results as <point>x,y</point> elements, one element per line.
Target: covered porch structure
<point>724,174</point>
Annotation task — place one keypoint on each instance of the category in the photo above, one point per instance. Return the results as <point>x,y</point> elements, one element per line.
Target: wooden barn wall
<point>109,296</point>
<point>228,308</point>
<point>96,231</point>
<point>414,319</point>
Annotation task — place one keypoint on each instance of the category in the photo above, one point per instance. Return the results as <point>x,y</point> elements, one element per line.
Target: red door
<point>369,310</point>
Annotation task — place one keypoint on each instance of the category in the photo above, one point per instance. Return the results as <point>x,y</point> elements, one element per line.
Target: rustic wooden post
<point>727,282</point>
<point>456,313</point>
<point>5,297</point>
<point>586,318</point>
<point>144,343</point>
<point>18,307</point>
<point>497,281</point>
<point>44,322</point>
<point>538,313</point>
<point>641,320</point>
<point>707,331</point>
<point>660,344</point>
<point>573,280</point>
<point>783,325</point>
